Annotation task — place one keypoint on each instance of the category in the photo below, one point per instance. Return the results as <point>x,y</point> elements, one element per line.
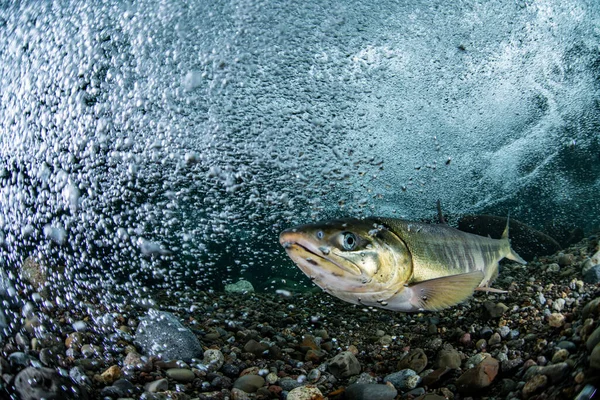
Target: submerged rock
<point>592,275</point>
<point>405,379</point>
<point>249,383</point>
<point>305,393</point>
<point>240,286</point>
<point>161,334</point>
<point>416,360</point>
<point>45,383</point>
<point>344,365</point>
<point>366,391</point>
<point>478,377</point>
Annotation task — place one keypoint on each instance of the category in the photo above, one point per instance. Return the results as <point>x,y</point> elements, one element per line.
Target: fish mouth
<point>308,254</point>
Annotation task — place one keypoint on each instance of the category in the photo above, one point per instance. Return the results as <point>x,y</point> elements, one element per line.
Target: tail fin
<point>512,255</point>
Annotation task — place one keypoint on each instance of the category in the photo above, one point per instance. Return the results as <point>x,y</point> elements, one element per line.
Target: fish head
<point>356,260</point>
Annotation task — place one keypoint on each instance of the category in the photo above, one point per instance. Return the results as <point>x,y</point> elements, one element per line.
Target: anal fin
<point>439,293</point>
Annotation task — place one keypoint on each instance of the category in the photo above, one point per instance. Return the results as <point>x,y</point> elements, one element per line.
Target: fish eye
<point>349,241</point>
<point>320,235</point>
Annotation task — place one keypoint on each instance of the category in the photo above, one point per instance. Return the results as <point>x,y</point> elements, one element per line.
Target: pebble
<point>110,375</point>
<point>161,334</point>
<point>159,385</point>
<point>449,358</point>
<point>595,357</point>
<point>238,394</point>
<point>364,391</point>
<point>495,339</point>
<point>405,379</point>
<point>415,360</point>
<point>181,374</point>
<point>558,305</point>
<point>241,286</point>
<point>556,320</point>
<point>305,393</point>
<point>44,383</point>
<point>77,374</point>
<point>213,359</point>
<point>288,383</point>
<point>478,377</point>
<point>560,356</point>
<point>592,275</point>
<point>249,383</point>
<point>593,339</point>
<point>256,348</point>
<point>135,362</point>
<point>344,365</point>
<point>314,375</point>
<point>271,378</point>
<point>565,344</point>
<point>504,331</point>
<point>495,310</point>
<point>534,385</point>
<point>556,372</point>
<point>564,260</point>
<point>430,377</point>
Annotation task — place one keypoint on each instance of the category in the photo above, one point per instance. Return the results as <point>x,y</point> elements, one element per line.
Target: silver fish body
<point>396,264</point>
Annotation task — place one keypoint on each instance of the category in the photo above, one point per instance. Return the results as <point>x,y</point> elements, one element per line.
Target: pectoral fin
<point>439,293</point>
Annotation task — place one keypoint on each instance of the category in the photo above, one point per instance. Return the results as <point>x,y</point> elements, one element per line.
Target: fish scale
<point>439,249</point>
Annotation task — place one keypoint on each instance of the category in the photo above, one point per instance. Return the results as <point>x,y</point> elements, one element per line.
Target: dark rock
<point>406,379</point>
<point>512,364</point>
<point>230,370</point>
<point>222,382</point>
<point>595,357</point>
<point>525,240</point>
<point>256,348</point>
<point>435,376</point>
<point>249,383</point>
<point>431,396</point>
<point>161,334</point>
<point>486,332</point>
<point>159,385</point>
<point>449,358</point>
<point>567,345</point>
<point>344,365</point>
<point>478,377</point>
<point>111,391</point>
<point>360,391</point>
<point>495,310</point>
<point>556,372</point>
<point>120,388</point>
<point>507,386</point>
<point>414,393</point>
<point>415,360</point>
<point>534,385</point>
<point>47,357</point>
<point>288,384</point>
<point>181,374</point>
<point>46,383</point>
<point>314,355</point>
<point>592,275</point>
<point>77,374</point>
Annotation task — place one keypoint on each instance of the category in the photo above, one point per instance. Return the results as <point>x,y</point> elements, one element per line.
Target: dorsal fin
<point>505,233</point>
<point>441,219</point>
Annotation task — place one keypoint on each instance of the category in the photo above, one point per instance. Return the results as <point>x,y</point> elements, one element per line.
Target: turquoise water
<point>166,146</point>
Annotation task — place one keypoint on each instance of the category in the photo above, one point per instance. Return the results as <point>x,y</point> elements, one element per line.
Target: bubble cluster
<point>164,147</point>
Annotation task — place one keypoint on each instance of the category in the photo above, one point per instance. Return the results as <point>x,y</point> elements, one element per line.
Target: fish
<point>396,264</point>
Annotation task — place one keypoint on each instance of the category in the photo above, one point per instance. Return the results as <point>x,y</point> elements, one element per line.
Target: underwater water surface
<point>165,145</point>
